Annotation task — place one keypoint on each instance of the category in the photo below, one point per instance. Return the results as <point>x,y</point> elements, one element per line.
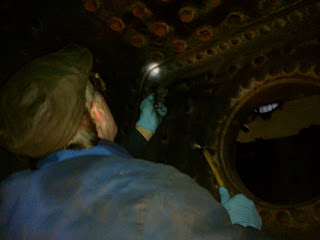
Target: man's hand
<point>150,117</point>
<point>241,210</point>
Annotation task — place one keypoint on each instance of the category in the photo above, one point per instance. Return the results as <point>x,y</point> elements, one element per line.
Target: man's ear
<point>106,127</point>
<point>97,113</point>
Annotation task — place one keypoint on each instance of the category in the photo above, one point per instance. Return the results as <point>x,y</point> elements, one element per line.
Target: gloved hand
<point>150,117</point>
<point>241,210</point>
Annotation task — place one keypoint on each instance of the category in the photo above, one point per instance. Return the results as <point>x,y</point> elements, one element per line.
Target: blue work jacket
<point>104,193</point>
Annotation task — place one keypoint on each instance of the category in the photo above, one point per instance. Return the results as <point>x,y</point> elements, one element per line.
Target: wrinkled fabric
<point>42,104</point>
<point>105,196</point>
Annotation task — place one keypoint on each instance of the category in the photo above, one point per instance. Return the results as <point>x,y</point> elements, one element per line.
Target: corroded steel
<point>209,55</point>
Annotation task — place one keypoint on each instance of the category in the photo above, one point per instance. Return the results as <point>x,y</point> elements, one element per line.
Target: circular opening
<point>272,144</point>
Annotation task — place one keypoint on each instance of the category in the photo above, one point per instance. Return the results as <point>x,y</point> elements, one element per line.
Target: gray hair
<point>86,135</point>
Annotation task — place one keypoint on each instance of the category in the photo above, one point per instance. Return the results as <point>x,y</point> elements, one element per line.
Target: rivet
<point>264,30</point>
<point>190,61</point>
<point>283,217</point>
<point>259,60</point>
<point>235,18</point>
<point>179,45</point>
<point>157,56</point>
<point>299,215</point>
<point>116,24</point>
<point>205,33</point>
<point>235,41</point>
<point>223,46</point>
<point>138,40</point>
<point>265,215</point>
<point>199,56</point>
<point>160,29</point>
<point>232,69</point>
<point>275,70</point>
<point>91,5</point>
<point>215,3</point>
<point>186,14</point>
<point>295,16</point>
<point>139,10</point>
<point>268,5</point>
<point>211,51</point>
<point>248,35</point>
<point>279,23</point>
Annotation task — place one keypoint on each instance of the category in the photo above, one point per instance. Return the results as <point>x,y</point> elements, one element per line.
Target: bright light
<point>268,108</point>
<point>154,69</point>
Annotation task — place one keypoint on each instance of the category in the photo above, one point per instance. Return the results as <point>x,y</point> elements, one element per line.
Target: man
<point>81,190</point>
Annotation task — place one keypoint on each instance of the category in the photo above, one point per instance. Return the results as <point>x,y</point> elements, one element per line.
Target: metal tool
<point>211,163</point>
<point>159,97</point>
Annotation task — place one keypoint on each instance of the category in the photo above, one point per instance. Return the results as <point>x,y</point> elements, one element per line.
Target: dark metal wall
<point>209,54</point>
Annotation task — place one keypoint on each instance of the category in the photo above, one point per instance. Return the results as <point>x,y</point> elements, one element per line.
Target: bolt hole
<point>235,41</point>
<point>259,60</point>
<point>248,35</point>
<point>190,61</point>
<point>235,18</point>
<point>279,23</point>
<point>264,30</point>
<point>232,69</point>
<point>210,51</point>
<point>199,56</point>
<point>223,46</point>
<point>295,16</point>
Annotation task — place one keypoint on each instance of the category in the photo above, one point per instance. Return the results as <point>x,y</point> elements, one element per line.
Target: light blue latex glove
<point>241,210</point>
<point>150,117</point>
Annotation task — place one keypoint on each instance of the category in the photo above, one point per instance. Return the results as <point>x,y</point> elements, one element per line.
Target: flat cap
<point>42,104</point>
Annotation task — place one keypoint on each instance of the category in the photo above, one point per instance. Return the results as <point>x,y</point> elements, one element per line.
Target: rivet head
<point>235,18</point>
<point>186,14</point>
<point>157,56</point>
<point>91,5</point>
<point>179,45</point>
<point>283,217</point>
<point>160,29</point>
<point>116,24</point>
<point>138,40</point>
<point>205,33</point>
<point>279,23</point>
<point>139,10</point>
<point>214,3</point>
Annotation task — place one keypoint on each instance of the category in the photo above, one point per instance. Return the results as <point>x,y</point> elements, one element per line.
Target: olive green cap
<point>42,104</point>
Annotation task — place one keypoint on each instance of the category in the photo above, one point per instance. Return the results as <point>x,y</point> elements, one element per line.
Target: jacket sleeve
<point>136,144</point>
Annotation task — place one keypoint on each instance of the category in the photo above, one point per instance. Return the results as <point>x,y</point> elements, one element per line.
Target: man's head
<point>49,101</point>
<point>97,122</point>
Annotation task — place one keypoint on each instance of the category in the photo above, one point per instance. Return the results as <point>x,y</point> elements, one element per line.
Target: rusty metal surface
<point>208,55</point>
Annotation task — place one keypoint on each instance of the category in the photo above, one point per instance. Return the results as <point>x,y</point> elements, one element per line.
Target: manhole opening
<point>277,154</point>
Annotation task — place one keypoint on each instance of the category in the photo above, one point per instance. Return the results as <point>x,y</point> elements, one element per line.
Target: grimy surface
<point>208,55</point>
